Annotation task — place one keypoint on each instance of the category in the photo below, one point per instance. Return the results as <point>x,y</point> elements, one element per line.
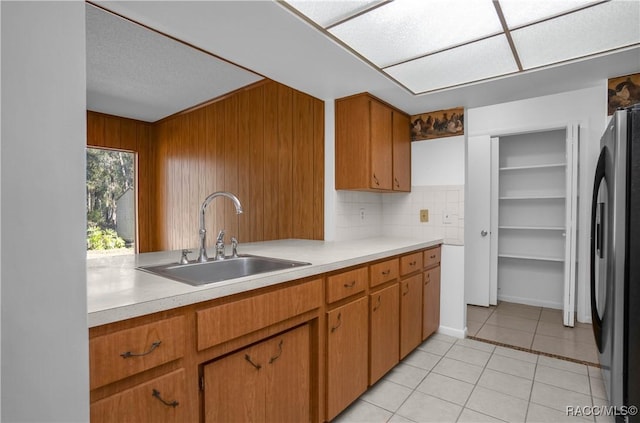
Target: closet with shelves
<point>534,192</point>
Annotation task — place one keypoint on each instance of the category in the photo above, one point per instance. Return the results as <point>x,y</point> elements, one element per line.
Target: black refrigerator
<point>615,261</point>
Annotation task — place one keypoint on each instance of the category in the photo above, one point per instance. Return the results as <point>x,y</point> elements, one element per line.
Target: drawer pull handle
<point>377,306</point>
<point>248,358</point>
<point>397,183</point>
<point>413,263</point>
<point>334,328</point>
<point>277,356</point>
<point>173,403</point>
<point>386,272</point>
<point>433,256</point>
<point>375,179</point>
<point>350,285</point>
<point>130,354</point>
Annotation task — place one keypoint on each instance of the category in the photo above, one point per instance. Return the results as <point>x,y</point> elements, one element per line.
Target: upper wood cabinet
<point>373,145</point>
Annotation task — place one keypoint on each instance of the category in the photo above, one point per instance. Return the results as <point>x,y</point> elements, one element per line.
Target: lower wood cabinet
<point>410,314</point>
<point>299,352</point>
<point>267,382</point>
<point>347,355</point>
<point>431,302</point>
<point>161,400</point>
<point>384,344</point>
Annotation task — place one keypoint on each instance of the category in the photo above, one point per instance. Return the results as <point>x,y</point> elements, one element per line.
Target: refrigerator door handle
<point>596,238</point>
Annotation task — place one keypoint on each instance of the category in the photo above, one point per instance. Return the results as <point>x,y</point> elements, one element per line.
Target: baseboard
<point>456,333</point>
<point>531,302</point>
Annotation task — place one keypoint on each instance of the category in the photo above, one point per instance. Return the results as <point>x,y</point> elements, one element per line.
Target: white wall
<point>586,107</point>
<point>438,162</point>
<point>45,365</point>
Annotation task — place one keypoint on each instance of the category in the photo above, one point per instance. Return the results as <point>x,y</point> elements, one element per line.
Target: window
<point>111,202</point>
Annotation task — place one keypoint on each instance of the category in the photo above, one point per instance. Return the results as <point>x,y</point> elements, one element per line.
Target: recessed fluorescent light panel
<point>430,45</point>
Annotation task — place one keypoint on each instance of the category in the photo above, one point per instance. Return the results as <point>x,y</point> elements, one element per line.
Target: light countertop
<point>117,291</point>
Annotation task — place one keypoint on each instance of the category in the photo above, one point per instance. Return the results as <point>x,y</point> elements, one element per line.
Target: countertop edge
<point>240,285</point>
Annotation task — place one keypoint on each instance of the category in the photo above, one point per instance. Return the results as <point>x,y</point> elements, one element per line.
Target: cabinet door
<point>234,387</point>
<point>288,387</point>
<point>384,312</point>
<point>267,382</point>
<point>161,400</point>
<point>410,314</point>
<point>431,302</point>
<point>347,355</point>
<point>381,146</point>
<point>401,152</point>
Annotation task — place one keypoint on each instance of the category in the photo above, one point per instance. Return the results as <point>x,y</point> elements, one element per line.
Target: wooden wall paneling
<point>255,134</point>
<point>198,126</point>
<point>318,169</point>
<point>271,153</point>
<point>285,159</point>
<point>302,166</point>
<point>95,129</point>
<point>112,131</point>
<point>231,164</point>
<point>251,162</point>
<point>215,139</point>
<point>143,185</point>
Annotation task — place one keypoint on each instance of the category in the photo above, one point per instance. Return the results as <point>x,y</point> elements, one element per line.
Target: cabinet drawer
<point>410,263</point>
<point>160,400</point>
<point>384,272</point>
<point>431,257</point>
<point>222,323</point>
<point>127,352</point>
<point>345,284</point>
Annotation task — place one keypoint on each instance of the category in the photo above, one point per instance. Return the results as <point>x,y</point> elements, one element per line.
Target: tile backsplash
<point>362,214</point>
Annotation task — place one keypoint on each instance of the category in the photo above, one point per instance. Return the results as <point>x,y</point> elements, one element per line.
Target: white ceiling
<point>140,74</point>
<point>429,45</point>
<point>275,41</point>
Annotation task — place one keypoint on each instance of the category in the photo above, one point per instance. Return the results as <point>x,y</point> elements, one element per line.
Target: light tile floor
<point>461,380</point>
<point>534,328</point>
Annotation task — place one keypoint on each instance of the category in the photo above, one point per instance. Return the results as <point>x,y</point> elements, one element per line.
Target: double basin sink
<point>221,270</point>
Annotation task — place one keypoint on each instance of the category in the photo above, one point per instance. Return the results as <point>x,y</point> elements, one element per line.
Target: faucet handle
<point>220,236</point>
<point>184,259</point>
<point>234,246</point>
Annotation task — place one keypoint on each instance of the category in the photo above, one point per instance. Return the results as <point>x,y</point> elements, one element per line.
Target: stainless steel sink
<point>221,270</point>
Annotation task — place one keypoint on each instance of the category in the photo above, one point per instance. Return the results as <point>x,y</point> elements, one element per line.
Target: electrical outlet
<point>424,215</point>
<point>447,217</point>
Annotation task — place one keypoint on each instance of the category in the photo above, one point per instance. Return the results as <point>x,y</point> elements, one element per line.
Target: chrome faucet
<point>202,257</point>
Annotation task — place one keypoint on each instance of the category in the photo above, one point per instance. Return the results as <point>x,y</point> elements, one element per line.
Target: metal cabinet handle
<point>397,183</point>
<point>484,233</point>
<point>248,358</point>
<point>432,256</point>
<point>278,354</point>
<point>334,328</point>
<point>413,263</point>
<point>386,272</point>
<point>128,354</point>
<point>407,290</point>
<point>375,179</point>
<point>428,278</point>
<point>350,285</point>
<point>155,393</point>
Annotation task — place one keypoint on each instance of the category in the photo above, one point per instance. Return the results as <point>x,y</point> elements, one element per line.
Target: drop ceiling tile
<point>406,29</point>
<point>522,12</point>
<point>326,13</point>
<point>597,29</point>
<point>480,60</point>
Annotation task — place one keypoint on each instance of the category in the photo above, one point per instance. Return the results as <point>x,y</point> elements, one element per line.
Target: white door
<point>477,257</point>
<point>571,219</point>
